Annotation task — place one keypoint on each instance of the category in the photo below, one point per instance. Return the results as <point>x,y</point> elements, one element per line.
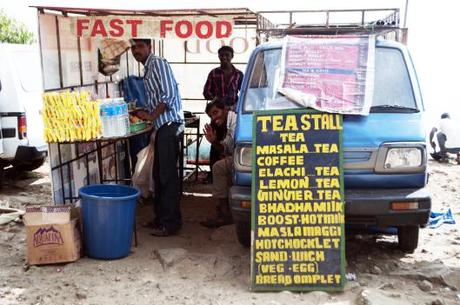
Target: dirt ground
<point>204,266</point>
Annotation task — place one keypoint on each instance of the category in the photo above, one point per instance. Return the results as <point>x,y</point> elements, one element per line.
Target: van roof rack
<point>380,22</point>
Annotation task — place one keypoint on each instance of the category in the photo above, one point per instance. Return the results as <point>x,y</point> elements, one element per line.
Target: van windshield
<point>392,87</point>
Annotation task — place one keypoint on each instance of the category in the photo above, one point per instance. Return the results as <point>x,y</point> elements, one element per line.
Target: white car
<point>21,87</point>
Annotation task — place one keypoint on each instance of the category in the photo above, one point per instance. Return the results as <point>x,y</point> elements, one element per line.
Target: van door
<point>27,65</point>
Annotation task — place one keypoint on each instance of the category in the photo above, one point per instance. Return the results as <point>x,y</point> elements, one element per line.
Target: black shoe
<point>149,224</point>
<point>216,223</point>
<point>161,231</point>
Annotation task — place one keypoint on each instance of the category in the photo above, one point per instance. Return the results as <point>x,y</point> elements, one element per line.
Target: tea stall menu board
<point>298,213</point>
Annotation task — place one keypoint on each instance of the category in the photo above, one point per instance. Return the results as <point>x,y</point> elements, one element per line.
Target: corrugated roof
<point>163,12</point>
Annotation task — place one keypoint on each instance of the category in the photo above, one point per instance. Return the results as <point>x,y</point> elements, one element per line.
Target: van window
<point>28,68</point>
<point>392,86</point>
<point>262,93</point>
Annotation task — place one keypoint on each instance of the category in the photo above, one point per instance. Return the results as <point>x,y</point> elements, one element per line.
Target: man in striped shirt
<point>165,111</point>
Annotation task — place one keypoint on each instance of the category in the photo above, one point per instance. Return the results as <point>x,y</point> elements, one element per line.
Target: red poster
<point>333,74</point>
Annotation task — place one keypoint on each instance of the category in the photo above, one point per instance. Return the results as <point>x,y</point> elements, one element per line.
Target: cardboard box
<point>53,234</point>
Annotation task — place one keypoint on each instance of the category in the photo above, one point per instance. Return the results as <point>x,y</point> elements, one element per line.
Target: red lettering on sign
<point>134,24</point>
<point>199,29</point>
<point>98,29</point>
<point>184,29</point>
<point>82,24</point>
<point>223,29</point>
<point>116,28</point>
<point>165,25</point>
<point>188,27</point>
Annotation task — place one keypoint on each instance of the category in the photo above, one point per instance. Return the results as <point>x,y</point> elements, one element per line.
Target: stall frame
<point>243,18</point>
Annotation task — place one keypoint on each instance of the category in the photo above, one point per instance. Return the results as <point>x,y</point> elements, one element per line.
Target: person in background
<point>222,169</point>
<point>223,83</point>
<point>448,136</point>
<point>165,111</point>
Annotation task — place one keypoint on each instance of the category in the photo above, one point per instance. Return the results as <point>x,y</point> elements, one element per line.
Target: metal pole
<point>129,163</point>
<point>405,13</point>
<point>80,63</point>
<point>116,160</point>
<point>58,39</point>
<point>127,64</point>
<point>185,51</point>
<point>61,171</point>
<point>40,11</point>
<point>197,159</point>
<point>99,161</point>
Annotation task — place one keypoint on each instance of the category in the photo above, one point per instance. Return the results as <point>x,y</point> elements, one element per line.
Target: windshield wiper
<point>393,108</point>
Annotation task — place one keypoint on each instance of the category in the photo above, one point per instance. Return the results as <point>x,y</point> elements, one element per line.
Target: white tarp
<point>329,73</point>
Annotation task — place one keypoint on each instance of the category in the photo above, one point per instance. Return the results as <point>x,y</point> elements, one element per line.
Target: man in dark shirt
<point>224,82</point>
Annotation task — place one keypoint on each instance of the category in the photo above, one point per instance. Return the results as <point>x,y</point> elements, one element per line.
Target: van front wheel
<point>2,171</point>
<point>408,238</point>
<point>243,232</point>
<point>29,166</point>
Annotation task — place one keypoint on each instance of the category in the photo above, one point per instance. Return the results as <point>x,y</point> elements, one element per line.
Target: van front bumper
<point>362,206</point>
<point>28,154</point>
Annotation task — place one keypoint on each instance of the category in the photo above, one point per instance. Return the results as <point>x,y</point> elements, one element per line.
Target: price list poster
<point>333,74</point>
<point>297,220</point>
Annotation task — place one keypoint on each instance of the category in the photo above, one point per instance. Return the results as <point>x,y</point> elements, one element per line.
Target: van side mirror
<point>0,85</point>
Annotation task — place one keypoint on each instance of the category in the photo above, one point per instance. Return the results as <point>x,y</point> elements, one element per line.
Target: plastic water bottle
<point>126,118</point>
<point>112,119</point>
<point>113,113</point>
<point>120,117</point>
<point>105,112</point>
<point>116,119</point>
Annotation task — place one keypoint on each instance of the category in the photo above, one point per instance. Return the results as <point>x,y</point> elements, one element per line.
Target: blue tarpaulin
<point>134,90</point>
<point>438,218</point>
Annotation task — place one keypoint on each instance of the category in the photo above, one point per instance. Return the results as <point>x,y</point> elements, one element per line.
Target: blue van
<point>385,162</point>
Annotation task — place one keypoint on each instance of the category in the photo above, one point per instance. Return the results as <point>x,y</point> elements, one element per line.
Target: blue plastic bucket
<point>108,212</point>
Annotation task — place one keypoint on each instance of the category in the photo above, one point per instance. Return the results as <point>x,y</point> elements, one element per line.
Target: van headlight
<point>403,157</point>
<point>246,156</point>
<point>243,158</point>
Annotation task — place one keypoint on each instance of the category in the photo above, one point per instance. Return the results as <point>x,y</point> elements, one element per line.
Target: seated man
<point>222,169</point>
<point>448,136</point>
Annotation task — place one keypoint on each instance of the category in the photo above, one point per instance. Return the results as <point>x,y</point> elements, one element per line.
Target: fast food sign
<point>150,27</point>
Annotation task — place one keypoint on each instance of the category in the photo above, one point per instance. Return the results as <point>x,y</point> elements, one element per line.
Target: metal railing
<point>380,22</point>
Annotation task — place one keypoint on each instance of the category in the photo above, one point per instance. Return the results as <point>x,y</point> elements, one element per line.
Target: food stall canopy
<point>240,15</point>
<point>72,44</point>
<point>70,37</point>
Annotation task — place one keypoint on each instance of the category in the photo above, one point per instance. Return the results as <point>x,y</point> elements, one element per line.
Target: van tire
<point>408,238</point>
<point>25,167</point>
<point>243,232</point>
<point>2,170</point>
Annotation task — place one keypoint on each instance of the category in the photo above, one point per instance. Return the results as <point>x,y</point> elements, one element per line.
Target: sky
<point>433,41</point>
